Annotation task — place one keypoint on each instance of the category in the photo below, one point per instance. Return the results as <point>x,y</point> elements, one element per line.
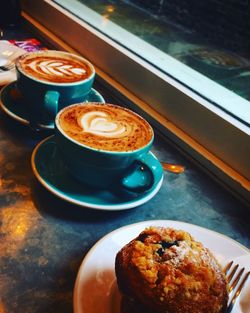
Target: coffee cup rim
<point>59,128</point>
<point>23,56</point>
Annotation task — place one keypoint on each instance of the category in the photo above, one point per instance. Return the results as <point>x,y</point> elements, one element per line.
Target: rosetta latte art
<point>55,69</point>
<point>105,127</point>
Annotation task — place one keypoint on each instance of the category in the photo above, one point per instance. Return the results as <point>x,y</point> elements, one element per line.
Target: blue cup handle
<point>50,109</point>
<point>145,172</point>
<point>51,99</point>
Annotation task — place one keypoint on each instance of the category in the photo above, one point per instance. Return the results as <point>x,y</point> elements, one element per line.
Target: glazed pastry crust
<point>165,270</point>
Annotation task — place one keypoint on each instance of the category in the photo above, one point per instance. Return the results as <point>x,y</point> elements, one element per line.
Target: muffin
<point>165,270</point>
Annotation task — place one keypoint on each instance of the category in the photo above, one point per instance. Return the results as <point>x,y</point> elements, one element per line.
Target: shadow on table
<point>48,203</point>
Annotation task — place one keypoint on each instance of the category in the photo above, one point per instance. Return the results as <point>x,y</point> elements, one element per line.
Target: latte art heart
<point>100,124</point>
<point>105,127</point>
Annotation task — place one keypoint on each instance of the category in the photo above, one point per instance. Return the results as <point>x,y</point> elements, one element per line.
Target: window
<point>207,119</point>
<point>174,50</point>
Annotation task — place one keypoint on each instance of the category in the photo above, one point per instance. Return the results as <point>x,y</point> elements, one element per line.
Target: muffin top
<point>169,258</point>
<point>169,266</point>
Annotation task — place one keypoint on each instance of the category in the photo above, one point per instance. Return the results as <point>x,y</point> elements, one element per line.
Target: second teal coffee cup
<point>50,80</point>
<point>106,146</point>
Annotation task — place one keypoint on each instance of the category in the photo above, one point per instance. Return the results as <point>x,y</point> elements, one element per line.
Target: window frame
<point>183,116</point>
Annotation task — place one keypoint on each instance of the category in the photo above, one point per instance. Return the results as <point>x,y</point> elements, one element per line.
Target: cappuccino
<point>55,67</point>
<point>105,127</point>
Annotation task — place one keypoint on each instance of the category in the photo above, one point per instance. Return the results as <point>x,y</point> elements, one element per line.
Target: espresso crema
<point>105,127</point>
<point>54,68</point>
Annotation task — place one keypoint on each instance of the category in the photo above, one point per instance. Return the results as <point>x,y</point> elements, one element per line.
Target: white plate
<point>95,288</point>
<point>8,53</point>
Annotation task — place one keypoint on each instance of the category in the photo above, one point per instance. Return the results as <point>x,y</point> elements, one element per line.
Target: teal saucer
<point>50,171</point>
<point>12,104</point>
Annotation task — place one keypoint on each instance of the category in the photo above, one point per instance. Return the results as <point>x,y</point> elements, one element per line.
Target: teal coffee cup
<point>106,146</point>
<point>49,80</point>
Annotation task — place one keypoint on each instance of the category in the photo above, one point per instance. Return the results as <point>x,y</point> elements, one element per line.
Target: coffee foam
<point>99,124</point>
<point>55,68</point>
<point>105,127</point>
